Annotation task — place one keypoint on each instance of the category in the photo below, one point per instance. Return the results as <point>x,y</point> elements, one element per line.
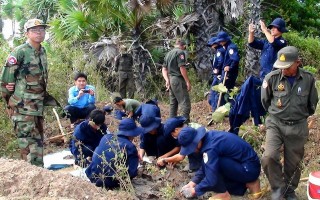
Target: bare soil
<point>20,180</point>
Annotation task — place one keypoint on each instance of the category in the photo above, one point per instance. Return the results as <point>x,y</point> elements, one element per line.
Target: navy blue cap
<point>108,108</point>
<point>118,114</point>
<point>173,123</point>
<point>280,24</point>
<point>223,36</point>
<point>152,101</point>
<point>128,127</point>
<point>149,123</point>
<point>189,139</point>
<point>212,41</point>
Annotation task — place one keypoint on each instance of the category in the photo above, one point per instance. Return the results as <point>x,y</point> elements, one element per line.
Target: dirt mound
<point>20,180</point>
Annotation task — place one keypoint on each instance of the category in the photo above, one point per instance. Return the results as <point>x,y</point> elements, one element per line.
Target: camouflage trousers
<point>29,130</point>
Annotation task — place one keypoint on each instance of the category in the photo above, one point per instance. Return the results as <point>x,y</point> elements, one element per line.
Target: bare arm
<point>166,77</point>
<point>251,32</point>
<point>184,73</point>
<point>266,32</point>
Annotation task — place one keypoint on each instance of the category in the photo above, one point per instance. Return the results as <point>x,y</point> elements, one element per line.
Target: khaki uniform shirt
<point>27,68</point>
<point>173,60</point>
<point>286,102</point>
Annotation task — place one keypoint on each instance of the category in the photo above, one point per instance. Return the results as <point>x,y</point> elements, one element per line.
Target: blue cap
<point>128,127</point>
<point>173,123</point>
<point>108,108</point>
<point>280,24</point>
<point>189,139</point>
<point>223,36</point>
<point>212,41</point>
<point>118,114</point>
<point>152,101</point>
<point>149,123</point>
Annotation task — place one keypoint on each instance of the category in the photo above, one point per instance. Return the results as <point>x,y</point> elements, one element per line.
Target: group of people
<point>224,163</point>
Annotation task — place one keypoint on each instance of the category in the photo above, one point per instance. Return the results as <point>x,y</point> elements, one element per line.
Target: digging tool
<point>220,96</point>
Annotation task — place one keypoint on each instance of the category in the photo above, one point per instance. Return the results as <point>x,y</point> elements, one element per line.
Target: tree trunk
<point>252,65</point>
<point>207,26</point>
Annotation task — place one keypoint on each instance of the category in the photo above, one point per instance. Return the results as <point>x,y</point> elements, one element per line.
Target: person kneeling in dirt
<point>129,105</point>
<point>154,142</point>
<point>172,129</point>
<point>150,108</point>
<point>86,137</point>
<point>105,165</point>
<point>229,165</point>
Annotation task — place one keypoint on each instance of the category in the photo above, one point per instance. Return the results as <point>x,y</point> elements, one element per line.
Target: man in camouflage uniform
<point>23,87</point>
<point>290,96</point>
<point>177,81</point>
<point>124,63</point>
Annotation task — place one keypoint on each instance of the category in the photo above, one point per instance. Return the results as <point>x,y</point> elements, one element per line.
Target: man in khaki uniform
<point>290,96</point>
<point>177,81</point>
<point>23,87</point>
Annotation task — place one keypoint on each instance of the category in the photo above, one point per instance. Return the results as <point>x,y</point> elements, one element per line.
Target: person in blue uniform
<point>149,108</point>
<point>231,59</point>
<point>270,46</point>
<point>102,170</point>
<point>154,142</point>
<point>172,129</point>
<point>229,165</point>
<point>86,137</point>
<point>217,64</point>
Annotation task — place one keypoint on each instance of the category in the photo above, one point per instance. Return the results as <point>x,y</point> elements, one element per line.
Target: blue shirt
<point>268,53</point>
<point>218,144</point>
<point>84,100</point>
<point>105,152</point>
<point>218,59</point>
<point>148,110</point>
<point>89,137</point>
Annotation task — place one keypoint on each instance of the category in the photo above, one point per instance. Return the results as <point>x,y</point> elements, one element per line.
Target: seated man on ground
<point>86,137</point>
<point>129,105</point>
<point>153,141</point>
<point>81,99</point>
<point>172,129</point>
<point>229,166</point>
<point>104,167</point>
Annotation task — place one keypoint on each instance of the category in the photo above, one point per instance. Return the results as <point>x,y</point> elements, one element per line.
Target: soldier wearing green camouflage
<point>23,87</point>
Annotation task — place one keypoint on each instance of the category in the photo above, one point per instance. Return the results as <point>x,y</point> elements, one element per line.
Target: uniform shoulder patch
<point>12,60</point>
<point>182,57</point>
<point>282,41</point>
<point>218,54</point>
<point>205,158</point>
<point>231,51</point>
<point>265,84</point>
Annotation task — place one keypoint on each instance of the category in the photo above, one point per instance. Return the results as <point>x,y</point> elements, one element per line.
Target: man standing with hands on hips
<point>175,74</point>
<point>290,97</point>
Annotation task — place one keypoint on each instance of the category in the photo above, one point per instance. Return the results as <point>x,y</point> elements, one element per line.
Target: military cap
<point>33,23</point>
<point>286,57</point>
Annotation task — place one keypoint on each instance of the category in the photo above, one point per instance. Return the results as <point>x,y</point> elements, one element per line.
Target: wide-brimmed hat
<point>286,57</point>
<point>212,41</point>
<point>33,23</point>
<point>128,127</point>
<point>222,36</point>
<point>280,24</point>
<point>149,123</point>
<point>189,139</point>
<point>173,123</point>
<point>153,101</point>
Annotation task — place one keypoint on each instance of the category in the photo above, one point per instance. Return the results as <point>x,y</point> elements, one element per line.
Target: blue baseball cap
<point>173,123</point>
<point>189,139</point>
<point>128,127</point>
<point>212,41</point>
<point>280,24</point>
<point>149,123</point>
<point>223,36</point>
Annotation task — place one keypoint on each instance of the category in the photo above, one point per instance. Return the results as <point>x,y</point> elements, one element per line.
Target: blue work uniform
<point>158,144</point>
<point>268,53</point>
<point>217,64</point>
<point>101,173</point>
<point>150,110</point>
<point>228,164</point>
<point>89,139</point>
<point>246,102</point>
<point>231,59</point>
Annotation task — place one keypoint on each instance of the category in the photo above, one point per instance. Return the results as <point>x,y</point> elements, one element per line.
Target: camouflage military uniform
<point>178,88</point>
<point>27,68</point>
<point>124,65</point>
